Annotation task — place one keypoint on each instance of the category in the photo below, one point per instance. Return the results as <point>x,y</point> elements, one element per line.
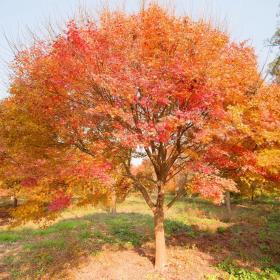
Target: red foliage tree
<point>148,85</point>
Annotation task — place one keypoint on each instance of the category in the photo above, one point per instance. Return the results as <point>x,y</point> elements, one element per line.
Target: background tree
<point>259,121</point>
<point>251,155</point>
<point>46,173</point>
<point>275,64</point>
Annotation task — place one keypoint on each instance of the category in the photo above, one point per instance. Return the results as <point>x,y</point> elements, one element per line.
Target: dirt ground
<point>129,265</point>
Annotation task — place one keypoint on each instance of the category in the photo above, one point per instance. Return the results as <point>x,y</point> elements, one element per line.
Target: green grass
<point>173,226</point>
<point>221,229</point>
<point>9,237</point>
<point>70,224</point>
<point>252,237</point>
<point>85,234</point>
<point>57,244</point>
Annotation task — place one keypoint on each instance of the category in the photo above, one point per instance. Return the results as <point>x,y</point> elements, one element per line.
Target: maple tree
<point>251,154</point>
<point>259,121</point>
<point>149,85</point>
<point>45,172</point>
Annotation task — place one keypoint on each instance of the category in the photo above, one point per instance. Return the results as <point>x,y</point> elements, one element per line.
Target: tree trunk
<point>15,201</point>
<point>113,208</point>
<point>228,205</point>
<point>160,254</point>
<point>252,194</point>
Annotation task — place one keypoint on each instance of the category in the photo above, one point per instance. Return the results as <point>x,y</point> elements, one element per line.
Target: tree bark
<point>15,201</point>
<point>228,205</point>
<point>252,193</point>
<point>113,208</point>
<point>160,254</point>
<point>252,196</point>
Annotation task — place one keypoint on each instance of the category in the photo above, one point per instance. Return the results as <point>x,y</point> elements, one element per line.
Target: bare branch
<point>141,188</point>
<point>178,195</point>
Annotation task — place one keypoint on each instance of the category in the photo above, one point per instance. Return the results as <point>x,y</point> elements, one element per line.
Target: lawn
<point>88,243</point>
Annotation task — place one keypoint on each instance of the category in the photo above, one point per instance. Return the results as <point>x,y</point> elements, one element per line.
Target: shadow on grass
<point>244,250</point>
<point>58,247</point>
<point>53,250</point>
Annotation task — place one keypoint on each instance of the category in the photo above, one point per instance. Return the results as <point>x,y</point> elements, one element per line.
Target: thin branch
<point>179,194</point>
<point>141,188</point>
<point>83,149</point>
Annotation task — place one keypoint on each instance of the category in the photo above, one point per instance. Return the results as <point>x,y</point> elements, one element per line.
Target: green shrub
<point>238,273</point>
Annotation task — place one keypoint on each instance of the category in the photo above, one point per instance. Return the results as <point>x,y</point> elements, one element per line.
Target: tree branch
<point>179,194</point>
<point>141,188</point>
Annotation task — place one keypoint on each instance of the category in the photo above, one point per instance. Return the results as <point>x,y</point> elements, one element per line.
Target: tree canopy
<point>148,85</point>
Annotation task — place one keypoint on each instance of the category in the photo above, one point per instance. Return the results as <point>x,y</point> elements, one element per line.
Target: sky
<point>252,20</point>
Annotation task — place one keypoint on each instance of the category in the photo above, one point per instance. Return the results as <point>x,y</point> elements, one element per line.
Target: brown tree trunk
<point>160,254</point>
<point>113,208</point>
<point>15,201</point>
<point>252,194</point>
<point>228,205</point>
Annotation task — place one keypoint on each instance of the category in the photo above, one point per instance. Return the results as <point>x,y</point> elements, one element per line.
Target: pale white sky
<point>254,20</point>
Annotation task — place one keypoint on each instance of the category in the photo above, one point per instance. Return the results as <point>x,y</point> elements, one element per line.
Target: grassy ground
<point>200,244</point>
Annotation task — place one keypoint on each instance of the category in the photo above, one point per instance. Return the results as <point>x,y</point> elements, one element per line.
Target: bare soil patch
<point>129,265</point>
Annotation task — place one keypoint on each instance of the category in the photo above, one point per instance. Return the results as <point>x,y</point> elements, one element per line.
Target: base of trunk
<point>113,211</point>
<point>160,254</point>
<point>228,205</point>
<point>113,207</point>
<point>15,201</point>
